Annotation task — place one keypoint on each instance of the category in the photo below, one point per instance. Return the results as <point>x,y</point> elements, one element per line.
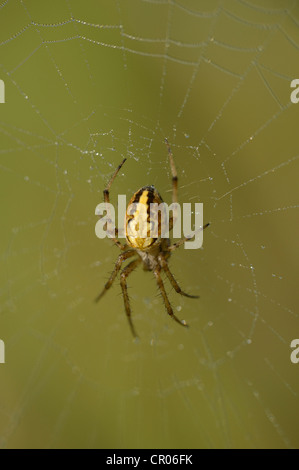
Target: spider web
<point>87,84</point>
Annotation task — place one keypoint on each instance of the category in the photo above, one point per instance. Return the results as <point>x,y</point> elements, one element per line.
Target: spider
<point>153,253</point>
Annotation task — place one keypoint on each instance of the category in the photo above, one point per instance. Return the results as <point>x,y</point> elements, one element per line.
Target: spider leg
<point>157,274</point>
<point>107,200</point>
<point>123,282</point>
<point>164,265</point>
<point>183,240</point>
<point>122,257</point>
<point>173,218</point>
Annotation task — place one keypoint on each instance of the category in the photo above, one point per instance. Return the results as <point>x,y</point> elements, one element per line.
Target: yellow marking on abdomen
<point>143,198</point>
<point>140,218</point>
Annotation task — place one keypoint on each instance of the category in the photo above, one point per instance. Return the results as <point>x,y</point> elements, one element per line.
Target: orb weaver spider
<point>152,252</point>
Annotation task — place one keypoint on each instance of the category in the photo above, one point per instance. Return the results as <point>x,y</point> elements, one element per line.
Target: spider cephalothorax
<point>152,252</point>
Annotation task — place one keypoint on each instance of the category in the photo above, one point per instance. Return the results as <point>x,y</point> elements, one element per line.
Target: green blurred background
<point>87,84</point>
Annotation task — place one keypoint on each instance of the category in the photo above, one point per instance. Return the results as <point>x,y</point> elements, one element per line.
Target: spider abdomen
<point>138,219</point>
